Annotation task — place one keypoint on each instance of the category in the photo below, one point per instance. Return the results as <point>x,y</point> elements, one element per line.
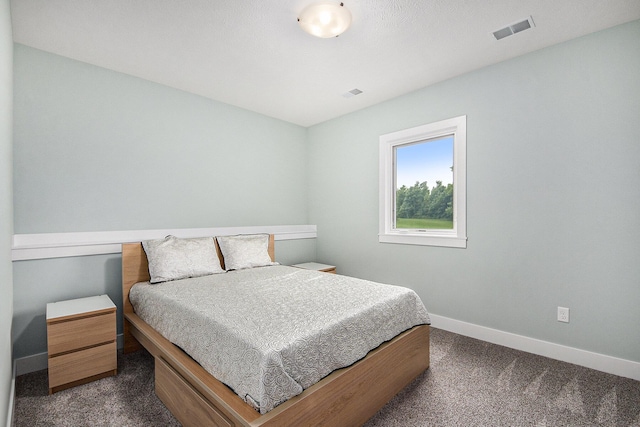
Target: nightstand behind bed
<point>316,266</point>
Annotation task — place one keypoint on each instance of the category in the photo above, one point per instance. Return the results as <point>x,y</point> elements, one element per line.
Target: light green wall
<point>96,150</point>
<point>99,150</point>
<point>6,209</point>
<point>553,196</point>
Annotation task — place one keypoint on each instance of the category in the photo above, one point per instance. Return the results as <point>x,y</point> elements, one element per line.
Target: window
<point>423,185</point>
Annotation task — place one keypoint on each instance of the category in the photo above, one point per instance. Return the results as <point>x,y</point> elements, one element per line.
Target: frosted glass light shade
<point>325,19</point>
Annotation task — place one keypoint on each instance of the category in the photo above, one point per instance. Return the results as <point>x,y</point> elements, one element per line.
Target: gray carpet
<point>470,383</point>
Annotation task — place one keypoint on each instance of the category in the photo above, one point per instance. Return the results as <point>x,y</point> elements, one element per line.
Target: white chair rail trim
<point>61,245</point>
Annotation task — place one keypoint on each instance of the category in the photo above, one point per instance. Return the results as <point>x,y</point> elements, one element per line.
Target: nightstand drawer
<point>68,335</point>
<point>82,364</point>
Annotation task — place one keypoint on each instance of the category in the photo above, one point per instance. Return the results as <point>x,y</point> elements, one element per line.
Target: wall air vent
<point>352,92</point>
<point>514,28</point>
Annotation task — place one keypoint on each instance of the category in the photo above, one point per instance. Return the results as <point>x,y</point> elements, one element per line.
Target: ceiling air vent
<point>514,28</point>
<point>352,92</point>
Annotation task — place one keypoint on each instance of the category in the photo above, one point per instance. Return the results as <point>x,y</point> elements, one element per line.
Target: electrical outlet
<point>563,314</point>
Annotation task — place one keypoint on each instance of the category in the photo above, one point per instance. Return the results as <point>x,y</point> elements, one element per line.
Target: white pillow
<point>245,251</point>
<point>173,258</point>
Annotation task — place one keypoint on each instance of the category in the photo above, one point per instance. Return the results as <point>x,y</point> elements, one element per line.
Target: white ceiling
<point>252,54</point>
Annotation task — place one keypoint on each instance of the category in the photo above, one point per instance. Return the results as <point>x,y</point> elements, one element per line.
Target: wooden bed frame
<point>347,397</point>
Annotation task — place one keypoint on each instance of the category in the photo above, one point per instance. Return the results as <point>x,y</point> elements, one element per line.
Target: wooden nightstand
<point>81,341</point>
<point>316,266</point>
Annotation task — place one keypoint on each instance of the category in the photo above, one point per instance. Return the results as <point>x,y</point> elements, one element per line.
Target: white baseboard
<point>12,398</point>
<point>33,363</point>
<point>599,362</point>
<point>39,362</point>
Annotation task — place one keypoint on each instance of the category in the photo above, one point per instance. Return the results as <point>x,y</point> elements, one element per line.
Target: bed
<point>347,396</point>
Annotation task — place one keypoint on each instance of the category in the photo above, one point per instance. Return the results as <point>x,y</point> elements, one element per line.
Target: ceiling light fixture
<point>325,19</point>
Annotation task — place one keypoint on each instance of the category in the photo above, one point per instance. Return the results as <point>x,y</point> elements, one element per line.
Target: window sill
<point>443,240</point>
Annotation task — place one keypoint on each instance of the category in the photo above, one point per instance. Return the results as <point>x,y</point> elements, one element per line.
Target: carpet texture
<point>469,383</point>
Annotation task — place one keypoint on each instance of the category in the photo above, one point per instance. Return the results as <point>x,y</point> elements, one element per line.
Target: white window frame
<point>454,238</point>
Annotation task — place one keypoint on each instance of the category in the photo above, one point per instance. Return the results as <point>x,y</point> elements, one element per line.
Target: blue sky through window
<point>429,161</point>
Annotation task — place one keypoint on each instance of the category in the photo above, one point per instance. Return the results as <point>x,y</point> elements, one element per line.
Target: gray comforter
<point>270,332</point>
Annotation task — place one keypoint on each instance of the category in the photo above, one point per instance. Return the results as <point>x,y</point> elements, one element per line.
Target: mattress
<point>270,332</point>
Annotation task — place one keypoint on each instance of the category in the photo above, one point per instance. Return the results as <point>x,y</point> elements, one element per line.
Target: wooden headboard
<point>135,268</point>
